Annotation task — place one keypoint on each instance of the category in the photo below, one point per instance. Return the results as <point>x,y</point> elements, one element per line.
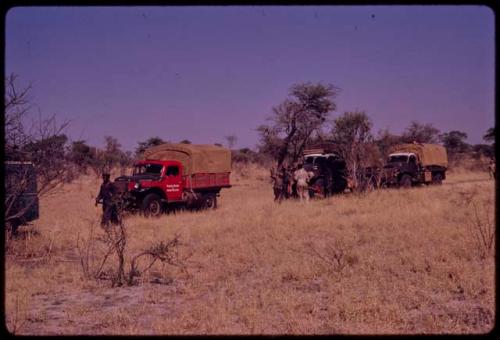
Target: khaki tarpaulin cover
<point>429,154</point>
<point>195,158</point>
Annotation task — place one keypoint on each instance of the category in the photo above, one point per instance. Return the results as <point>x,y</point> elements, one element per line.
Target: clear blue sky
<point>201,73</point>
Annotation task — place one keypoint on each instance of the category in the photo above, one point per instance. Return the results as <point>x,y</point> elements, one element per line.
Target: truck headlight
<point>137,186</point>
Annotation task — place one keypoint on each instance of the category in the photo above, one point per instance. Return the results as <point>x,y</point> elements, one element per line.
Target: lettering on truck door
<point>173,183</point>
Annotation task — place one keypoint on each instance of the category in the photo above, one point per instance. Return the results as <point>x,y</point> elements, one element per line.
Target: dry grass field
<point>386,262</point>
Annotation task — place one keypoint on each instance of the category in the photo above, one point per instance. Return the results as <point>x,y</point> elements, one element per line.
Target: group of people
<point>289,181</point>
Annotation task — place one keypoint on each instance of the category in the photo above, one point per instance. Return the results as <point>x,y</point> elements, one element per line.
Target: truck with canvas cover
<point>415,163</point>
<point>173,175</point>
<point>329,170</point>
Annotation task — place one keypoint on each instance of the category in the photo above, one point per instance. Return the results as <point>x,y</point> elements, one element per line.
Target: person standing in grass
<point>106,196</point>
<point>286,181</point>
<point>277,178</point>
<point>302,178</point>
<point>492,169</point>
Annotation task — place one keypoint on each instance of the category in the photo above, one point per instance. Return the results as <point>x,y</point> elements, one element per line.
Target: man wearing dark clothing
<point>277,178</point>
<point>106,197</point>
<point>286,182</point>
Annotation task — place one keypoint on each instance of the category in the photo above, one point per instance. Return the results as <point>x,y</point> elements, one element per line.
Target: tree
<point>352,127</point>
<point>44,145</point>
<point>113,156</point>
<point>80,154</point>
<point>352,134</point>
<point>385,140</point>
<point>185,141</point>
<point>483,150</point>
<point>49,156</point>
<point>454,142</point>
<point>295,120</point>
<point>421,133</point>
<point>231,141</point>
<point>142,146</point>
<point>489,136</point>
<point>16,107</point>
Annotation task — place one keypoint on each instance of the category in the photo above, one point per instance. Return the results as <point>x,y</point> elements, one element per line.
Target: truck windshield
<point>397,159</point>
<point>309,160</point>
<point>148,169</point>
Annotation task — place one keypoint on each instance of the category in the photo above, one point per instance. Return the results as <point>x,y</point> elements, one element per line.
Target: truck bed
<point>207,180</point>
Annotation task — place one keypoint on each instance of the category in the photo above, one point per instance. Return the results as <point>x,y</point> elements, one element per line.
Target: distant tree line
<point>301,120</point>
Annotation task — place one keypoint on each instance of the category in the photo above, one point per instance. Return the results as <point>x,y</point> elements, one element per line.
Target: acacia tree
<point>80,154</point>
<point>421,133</point>
<point>489,136</point>
<point>385,140</point>
<point>296,120</point>
<point>352,134</point>
<point>142,146</point>
<point>454,142</point>
<point>114,156</point>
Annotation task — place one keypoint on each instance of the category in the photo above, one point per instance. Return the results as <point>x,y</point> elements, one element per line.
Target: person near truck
<point>286,182</point>
<point>302,178</point>
<point>492,168</point>
<point>106,197</point>
<point>293,185</point>
<point>277,178</point>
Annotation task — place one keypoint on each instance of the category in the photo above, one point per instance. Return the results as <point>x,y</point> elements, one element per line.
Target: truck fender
<point>156,191</point>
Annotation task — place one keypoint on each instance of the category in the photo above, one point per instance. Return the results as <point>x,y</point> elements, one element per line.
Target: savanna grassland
<point>386,262</point>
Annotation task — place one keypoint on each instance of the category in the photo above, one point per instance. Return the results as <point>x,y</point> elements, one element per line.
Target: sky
<point>203,73</point>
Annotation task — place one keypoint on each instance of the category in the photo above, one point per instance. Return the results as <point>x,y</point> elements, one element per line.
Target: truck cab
<point>329,171</point>
<point>161,177</point>
<point>401,168</point>
<point>404,161</point>
<point>152,185</point>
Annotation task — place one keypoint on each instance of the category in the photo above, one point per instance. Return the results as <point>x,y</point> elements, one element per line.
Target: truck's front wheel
<point>405,181</point>
<point>317,189</point>
<point>151,205</point>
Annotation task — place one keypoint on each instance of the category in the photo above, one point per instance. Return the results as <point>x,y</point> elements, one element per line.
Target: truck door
<point>412,165</point>
<point>173,183</point>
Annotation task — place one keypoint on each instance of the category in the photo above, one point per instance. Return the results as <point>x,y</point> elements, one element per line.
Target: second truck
<point>413,164</point>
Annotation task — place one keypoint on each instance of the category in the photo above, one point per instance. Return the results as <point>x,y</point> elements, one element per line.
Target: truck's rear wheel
<point>151,206</point>
<point>339,184</point>
<point>437,178</point>
<point>210,201</point>
<point>405,181</point>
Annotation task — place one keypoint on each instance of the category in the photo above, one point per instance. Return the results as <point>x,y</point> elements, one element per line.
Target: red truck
<point>176,175</point>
